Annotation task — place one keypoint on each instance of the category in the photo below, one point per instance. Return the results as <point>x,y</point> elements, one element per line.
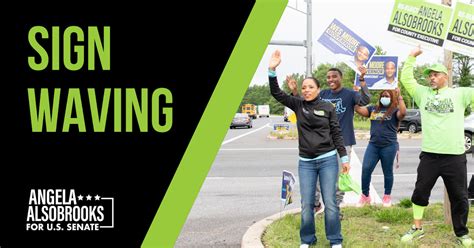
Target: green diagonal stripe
<point>213,126</point>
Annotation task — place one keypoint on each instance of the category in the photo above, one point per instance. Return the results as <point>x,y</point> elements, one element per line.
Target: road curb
<point>253,237</point>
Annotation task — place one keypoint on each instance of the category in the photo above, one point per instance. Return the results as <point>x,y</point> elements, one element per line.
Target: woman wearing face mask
<point>384,119</point>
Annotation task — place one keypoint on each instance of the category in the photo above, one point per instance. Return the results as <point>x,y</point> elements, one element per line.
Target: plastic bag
<point>346,184</point>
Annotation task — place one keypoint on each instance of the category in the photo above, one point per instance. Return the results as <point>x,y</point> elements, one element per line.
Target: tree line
<point>260,94</point>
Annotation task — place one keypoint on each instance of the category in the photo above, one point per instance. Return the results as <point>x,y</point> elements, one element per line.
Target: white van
<point>263,111</point>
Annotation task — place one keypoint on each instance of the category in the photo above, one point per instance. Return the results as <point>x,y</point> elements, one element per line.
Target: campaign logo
<point>337,103</point>
<point>440,105</point>
<point>65,210</point>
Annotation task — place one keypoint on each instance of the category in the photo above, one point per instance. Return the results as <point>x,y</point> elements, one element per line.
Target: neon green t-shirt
<point>442,112</point>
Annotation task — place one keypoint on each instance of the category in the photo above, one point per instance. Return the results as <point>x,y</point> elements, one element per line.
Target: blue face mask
<point>385,101</point>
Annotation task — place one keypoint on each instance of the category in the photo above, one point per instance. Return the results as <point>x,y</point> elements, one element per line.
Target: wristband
<point>271,73</point>
<point>345,159</point>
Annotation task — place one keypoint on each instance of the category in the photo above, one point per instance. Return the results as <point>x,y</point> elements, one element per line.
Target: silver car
<point>241,120</point>
<point>468,131</point>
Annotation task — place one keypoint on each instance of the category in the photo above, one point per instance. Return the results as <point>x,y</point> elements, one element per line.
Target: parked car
<point>411,122</point>
<point>241,120</point>
<point>468,131</point>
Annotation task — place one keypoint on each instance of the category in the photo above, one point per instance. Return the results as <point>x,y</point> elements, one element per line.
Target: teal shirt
<point>442,112</point>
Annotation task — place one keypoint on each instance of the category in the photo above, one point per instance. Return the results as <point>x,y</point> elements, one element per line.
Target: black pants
<point>453,170</point>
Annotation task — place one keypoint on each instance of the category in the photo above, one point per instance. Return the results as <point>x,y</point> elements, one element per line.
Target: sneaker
<point>413,233</point>
<point>465,241</point>
<point>318,208</point>
<point>364,200</point>
<point>336,246</point>
<point>304,246</point>
<point>387,201</point>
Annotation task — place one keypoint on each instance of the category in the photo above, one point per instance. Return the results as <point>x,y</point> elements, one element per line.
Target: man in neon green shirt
<point>442,117</point>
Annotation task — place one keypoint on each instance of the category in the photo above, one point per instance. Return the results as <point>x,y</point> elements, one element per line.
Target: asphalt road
<point>243,185</point>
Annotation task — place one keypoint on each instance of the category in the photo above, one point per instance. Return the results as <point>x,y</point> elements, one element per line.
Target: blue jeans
<point>374,154</point>
<point>326,169</point>
<point>339,194</point>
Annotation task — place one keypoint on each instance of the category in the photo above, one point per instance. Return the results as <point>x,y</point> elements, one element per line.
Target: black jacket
<point>318,127</point>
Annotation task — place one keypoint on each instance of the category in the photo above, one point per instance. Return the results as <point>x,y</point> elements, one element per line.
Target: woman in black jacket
<point>320,139</point>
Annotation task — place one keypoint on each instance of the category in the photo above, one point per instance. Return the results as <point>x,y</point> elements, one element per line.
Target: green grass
<point>361,124</point>
<point>368,227</point>
<point>285,134</point>
<point>405,203</point>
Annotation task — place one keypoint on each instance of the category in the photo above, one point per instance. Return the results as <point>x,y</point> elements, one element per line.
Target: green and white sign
<point>460,37</point>
<point>419,20</point>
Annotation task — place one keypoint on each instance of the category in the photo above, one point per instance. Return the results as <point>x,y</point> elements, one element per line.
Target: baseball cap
<point>435,67</point>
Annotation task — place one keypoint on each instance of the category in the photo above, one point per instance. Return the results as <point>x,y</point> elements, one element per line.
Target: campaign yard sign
<point>460,37</point>
<point>421,21</point>
<point>349,47</point>
<point>382,73</point>
<point>287,183</point>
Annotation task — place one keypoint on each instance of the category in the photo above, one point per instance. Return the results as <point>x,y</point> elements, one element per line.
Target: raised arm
<point>275,90</point>
<point>407,77</point>
<point>468,96</point>
<point>364,97</point>
<point>363,111</point>
<point>402,109</point>
<point>291,82</point>
<point>275,60</point>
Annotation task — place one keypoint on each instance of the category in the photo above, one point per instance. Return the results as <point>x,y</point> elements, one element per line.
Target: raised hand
<point>397,92</point>
<point>362,70</point>
<point>291,83</point>
<point>275,60</point>
<point>416,51</point>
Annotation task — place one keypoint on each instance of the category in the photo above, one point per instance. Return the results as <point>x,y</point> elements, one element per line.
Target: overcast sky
<point>367,18</point>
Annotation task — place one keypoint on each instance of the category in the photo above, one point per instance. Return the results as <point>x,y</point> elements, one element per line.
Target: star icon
<point>80,197</point>
<point>89,197</point>
<point>97,197</point>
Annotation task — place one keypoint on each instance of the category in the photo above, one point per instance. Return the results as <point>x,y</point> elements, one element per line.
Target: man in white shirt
<point>390,79</point>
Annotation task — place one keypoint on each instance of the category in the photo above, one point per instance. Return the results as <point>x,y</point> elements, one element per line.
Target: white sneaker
<point>304,246</point>
<point>337,246</point>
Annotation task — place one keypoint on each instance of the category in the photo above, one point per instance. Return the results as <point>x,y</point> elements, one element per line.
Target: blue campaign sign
<point>287,183</point>
<point>281,126</point>
<point>349,47</point>
<point>382,73</point>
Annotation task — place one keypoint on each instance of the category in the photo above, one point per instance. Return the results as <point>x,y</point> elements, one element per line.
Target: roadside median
<point>370,226</point>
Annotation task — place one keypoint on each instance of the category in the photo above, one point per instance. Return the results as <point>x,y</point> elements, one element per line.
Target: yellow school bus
<point>250,109</point>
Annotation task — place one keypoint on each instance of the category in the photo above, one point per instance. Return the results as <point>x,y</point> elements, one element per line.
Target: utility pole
<point>308,43</point>
<point>448,62</point>
<point>309,39</point>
